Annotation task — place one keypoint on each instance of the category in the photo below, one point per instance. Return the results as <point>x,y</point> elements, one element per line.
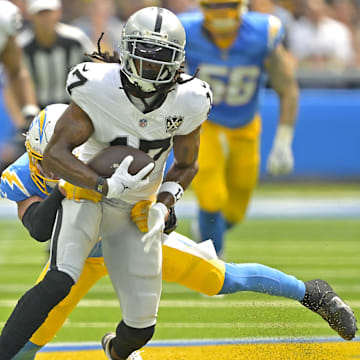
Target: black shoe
<point>321,298</point>
<point>106,343</point>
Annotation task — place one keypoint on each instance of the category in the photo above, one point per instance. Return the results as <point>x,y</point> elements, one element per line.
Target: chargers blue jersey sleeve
<point>235,75</point>
<point>16,183</point>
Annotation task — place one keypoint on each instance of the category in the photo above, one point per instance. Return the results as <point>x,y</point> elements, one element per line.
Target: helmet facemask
<point>40,132</point>
<point>152,49</point>
<point>222,19</point>
<point>149,62</point>
<point>41,180</point>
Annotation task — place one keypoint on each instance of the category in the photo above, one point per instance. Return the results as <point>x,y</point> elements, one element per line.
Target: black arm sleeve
<point>40,216</point>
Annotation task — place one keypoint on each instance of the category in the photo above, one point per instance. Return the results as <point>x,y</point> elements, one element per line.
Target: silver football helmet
<point>152,48</point>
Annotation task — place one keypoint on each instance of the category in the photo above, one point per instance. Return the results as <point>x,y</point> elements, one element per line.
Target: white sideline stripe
<point>23,260</point>
<point>262,207</point>
<point>38,260</point>
<point>172,325</point>
<point>339,274</point>
<point>214,303</point>
<point>168,289</point>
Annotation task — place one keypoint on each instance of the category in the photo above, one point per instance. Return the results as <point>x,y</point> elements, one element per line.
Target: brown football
<point>107,160</point>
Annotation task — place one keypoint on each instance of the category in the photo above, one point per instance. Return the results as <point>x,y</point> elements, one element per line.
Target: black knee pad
<point>129,339</point>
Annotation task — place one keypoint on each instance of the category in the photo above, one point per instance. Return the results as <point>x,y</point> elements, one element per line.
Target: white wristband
<point>172,187</point>
<point>284,135</point>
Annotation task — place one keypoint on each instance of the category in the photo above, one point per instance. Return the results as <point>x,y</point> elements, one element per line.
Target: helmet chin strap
<point>145,86</point>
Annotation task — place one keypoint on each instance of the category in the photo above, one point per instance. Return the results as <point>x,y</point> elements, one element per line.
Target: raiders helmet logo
<point>172,123</point>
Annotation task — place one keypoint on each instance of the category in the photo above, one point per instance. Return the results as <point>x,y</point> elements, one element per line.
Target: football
<point>107,160</point>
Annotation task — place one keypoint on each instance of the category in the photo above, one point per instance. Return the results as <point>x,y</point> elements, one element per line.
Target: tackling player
<point>195,266</point>
<point>233,49</point>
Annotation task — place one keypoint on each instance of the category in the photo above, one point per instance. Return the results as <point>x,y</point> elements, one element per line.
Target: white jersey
<point>10,20</point>
<point>97,89</point>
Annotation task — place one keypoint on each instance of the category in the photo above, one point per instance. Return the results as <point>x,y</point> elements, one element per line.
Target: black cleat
<point>321,298</point>
<point>106,345</point>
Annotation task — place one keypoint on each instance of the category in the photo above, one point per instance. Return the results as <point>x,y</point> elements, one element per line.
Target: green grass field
<point>327,249</point>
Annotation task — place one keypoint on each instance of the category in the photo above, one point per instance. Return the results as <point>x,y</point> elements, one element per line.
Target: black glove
<point>171,222</point>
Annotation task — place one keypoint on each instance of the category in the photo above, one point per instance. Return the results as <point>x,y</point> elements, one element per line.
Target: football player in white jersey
<point>185,262</point>
<point>145,102</point>
<point>19,81</point>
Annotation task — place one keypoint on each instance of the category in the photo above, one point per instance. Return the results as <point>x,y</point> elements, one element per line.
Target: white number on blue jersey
<point>241,85</point>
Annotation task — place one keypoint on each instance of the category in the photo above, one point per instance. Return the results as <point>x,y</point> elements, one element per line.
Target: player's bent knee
<point>194,272</point>
<point>214,278</point>
<point>210,197</point>
<point>55,286</point>
<point>129,339</point>
<point>211,203</point>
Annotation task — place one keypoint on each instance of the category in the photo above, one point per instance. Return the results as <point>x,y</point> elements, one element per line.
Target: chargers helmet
<point>152,48</point>
<point>40,131</point>
<point>222,19</point>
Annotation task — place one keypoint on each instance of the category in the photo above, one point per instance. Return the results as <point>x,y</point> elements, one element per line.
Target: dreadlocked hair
<point>181,81</point>
<point>114,58</point>
<point>104,56</point>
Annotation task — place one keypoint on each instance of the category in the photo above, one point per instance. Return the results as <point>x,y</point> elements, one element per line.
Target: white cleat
<point>135,356</point>
<point>106,342</point>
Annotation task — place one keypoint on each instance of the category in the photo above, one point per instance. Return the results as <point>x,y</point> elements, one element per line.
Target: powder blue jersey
<point>16,182</point>
<point>235,75</point>
<point>17,185</point>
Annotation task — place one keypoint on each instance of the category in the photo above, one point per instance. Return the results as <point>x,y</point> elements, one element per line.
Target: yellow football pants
<point>94,269</point>
<point>228,168</point>
<point>198,274</point>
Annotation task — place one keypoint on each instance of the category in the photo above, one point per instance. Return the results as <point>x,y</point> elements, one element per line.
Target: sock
<point>262,279</point>
<point>229,225</point>
<point>32,310</point>
<point>212,226</point>
<point>28,352</point>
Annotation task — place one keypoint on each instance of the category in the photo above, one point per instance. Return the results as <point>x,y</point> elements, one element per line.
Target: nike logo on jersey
<point>85,68</point>
<point>10,177</point>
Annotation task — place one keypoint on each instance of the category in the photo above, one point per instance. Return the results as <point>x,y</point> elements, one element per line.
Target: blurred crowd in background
<point>321,34</point>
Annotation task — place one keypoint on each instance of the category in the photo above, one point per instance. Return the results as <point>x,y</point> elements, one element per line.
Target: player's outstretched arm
<point>281,73</point>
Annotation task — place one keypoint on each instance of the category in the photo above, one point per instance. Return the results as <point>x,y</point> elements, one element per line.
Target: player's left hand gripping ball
<point>155,223</point>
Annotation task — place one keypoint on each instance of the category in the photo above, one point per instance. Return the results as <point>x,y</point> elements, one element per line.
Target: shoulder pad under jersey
<point>196,100</point>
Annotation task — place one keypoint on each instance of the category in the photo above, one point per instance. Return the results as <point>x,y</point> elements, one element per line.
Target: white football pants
<point>135,275</point>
